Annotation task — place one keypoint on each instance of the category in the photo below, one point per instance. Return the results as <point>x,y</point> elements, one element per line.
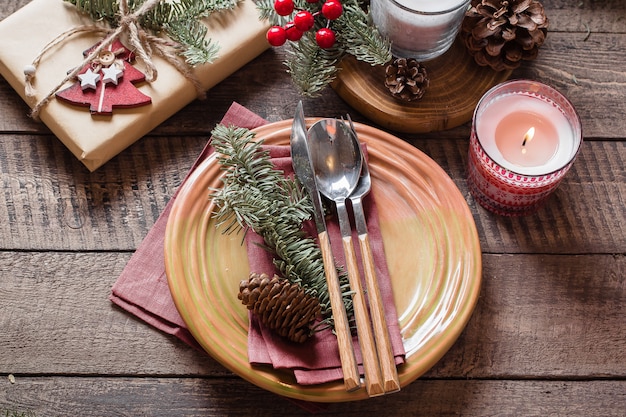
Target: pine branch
<point>356,35</point>
<point>198,9</point>
<point>179,20</point>
<point>311,67</point>
<point>99,10</point>
<point>255,196</point>
<point>191,33</point>
<point>266,10</point>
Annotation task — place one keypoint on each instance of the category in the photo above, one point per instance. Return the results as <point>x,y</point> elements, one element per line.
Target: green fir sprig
<point>179,20</point>
<point>359,38</point>
<point>313,68</point>
<point>256,196</point>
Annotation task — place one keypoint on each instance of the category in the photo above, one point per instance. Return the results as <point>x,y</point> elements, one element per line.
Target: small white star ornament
<point>111,74</point>
<point>88,79</point>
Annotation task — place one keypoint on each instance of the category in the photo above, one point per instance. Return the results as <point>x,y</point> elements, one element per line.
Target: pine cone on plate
<point>502,33</point>
<point>406,79</point>
<point>280,305</point>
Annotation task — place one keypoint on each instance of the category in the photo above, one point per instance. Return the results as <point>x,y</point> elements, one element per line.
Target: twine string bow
<point>143,43</point>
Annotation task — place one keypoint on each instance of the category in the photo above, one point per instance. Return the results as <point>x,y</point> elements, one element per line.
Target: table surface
<point>548,335</point>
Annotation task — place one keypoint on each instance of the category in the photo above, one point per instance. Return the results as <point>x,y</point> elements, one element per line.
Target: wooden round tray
<point>456,85</point>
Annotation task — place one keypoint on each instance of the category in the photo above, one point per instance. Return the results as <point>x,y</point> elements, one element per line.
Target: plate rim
<point>263,377</point>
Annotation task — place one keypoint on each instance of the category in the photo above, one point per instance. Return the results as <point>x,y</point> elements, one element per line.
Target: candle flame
<point>528,137</point>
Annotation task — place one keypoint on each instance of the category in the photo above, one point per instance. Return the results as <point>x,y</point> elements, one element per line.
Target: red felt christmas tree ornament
<point>107,82</point>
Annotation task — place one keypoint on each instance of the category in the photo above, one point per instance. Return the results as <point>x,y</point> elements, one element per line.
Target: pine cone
<point>501,33</point>
<point>406,79</point>
<point>280,305</point>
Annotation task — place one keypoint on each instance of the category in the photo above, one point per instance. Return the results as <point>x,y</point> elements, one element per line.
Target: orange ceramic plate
<point>430,242</point>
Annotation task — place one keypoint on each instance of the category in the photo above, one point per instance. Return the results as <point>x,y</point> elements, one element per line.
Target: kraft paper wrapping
<point>96,139</point>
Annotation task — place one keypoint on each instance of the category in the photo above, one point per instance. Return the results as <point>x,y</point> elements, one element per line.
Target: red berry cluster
<point>303,21</point>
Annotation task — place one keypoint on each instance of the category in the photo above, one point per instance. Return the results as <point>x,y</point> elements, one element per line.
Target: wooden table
<point>548,336</point>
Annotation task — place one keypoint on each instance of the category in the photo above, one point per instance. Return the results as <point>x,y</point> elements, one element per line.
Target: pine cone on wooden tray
<point>502,33</point>
<point>280,305</point>
<point>406,79</point>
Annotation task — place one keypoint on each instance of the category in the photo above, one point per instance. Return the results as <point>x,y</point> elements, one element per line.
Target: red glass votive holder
<point>525,137</point>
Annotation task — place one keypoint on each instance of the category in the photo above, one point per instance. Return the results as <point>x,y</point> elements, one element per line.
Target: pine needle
<point>359,39</point>
<point>311,67</point>
<point>256,196</point>
<point>180,20</point>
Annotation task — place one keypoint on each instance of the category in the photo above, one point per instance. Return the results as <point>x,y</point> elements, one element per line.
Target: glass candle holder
<point>420,29</point>
<point>525,136</point>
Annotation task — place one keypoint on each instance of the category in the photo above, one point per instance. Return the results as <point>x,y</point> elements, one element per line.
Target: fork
<point>391,382</point>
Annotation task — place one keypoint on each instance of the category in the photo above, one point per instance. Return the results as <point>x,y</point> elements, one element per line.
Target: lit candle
<point>503,131</point>
<point>525,136</point>
<point>420,29</point>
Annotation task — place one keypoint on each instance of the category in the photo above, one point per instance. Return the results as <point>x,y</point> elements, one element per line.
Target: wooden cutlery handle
<point>351,375</point>
<point>373,379</point>
<point>391,382</point>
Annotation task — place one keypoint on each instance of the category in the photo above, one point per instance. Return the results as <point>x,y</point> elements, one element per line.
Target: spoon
<point>388,367</point>
<point>337,162</point>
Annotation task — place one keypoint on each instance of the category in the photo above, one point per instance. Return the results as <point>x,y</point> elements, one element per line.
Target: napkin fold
<point>317,360</point>
<point>142,288</point>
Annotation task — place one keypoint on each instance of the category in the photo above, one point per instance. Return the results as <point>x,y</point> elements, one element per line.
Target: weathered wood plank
<point>547,336</point>
<point>553,316</point>
<point>114,207</point>
<point>582,67</point>
<point>71,327</point>
<point>8,7</point>
<point>589,17</point>
<point>603,77</point>
<point>537,316</point>
<point>59,396</point>
<point>564,15</point>
<point>108,209</point>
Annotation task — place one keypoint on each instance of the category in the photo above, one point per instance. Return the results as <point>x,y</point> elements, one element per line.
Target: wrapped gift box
<point>95,139</point>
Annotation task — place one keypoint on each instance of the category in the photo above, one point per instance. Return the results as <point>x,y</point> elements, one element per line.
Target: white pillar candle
<point>526,134</point>
<point>420,29</point>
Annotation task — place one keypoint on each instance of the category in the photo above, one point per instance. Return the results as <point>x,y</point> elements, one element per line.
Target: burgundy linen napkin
<point>142,288</point>
<point>317,360</point>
